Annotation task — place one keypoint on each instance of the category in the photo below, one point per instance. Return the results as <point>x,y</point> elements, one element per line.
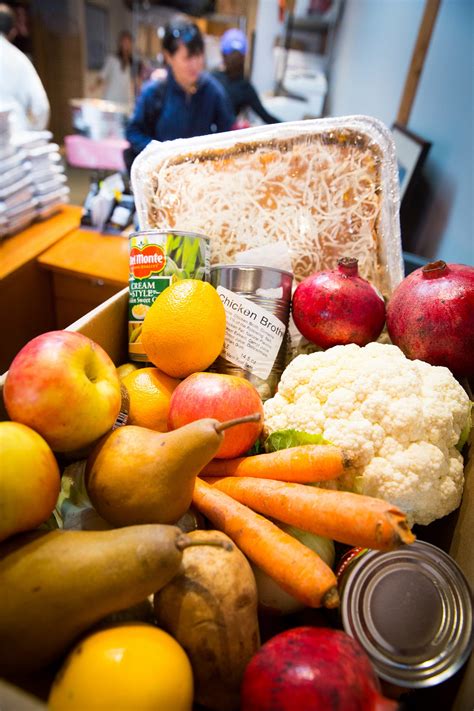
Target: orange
<point>130,667</point>
<point>183,331</point>
<point>150,393</point>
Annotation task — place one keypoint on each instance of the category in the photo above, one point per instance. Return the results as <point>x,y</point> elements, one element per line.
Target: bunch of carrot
<point>238,495</point>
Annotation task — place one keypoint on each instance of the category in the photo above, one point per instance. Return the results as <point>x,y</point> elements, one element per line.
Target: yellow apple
<point>126,368</point>
<point>65,387</point>
<point>29,479</point>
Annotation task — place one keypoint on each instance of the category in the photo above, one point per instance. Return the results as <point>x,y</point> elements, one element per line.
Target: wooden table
<point>19,249</point>
<point>87,267</point>
<point>26,298</point>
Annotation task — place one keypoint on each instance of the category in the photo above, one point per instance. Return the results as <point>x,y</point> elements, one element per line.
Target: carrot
<point>348,518</point>
<point>296,568</point>
<point>303,464</point>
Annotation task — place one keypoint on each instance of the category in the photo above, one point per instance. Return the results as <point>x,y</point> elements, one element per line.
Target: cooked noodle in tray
<point>327,188</point>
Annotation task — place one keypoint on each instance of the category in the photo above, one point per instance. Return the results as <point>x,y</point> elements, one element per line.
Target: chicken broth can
<point>410,609</point>
<point>257,302</point>
<point>157,259</point>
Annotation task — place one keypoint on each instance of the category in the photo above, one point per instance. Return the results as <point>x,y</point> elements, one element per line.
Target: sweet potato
<point>210,608</point>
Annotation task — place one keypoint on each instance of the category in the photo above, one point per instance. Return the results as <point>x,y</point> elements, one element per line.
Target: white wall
<point>268,27</point>
<point>444,111</point>
<point>373,53</point>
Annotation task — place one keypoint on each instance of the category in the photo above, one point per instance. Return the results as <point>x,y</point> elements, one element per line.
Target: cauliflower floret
<point>444,404</point>
<point>339,402</point>
<point>358,437</point>
<point>420,479</point>
<point>404,419</point>
<point>303,416</point>
<point>397,419</point>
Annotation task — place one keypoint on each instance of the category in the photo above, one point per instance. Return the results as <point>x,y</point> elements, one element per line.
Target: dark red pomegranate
<point>431,316</point>
<point>337,307</point>
<point>312,668</point>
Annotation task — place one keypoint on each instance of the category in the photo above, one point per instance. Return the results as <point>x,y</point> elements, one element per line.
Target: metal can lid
<point>265,284</point>
<point>411,610</point>
<point>251,267</point>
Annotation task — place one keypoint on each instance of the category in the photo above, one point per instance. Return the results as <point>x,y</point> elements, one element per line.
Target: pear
<point>137,475</point>
<point>55,585</point>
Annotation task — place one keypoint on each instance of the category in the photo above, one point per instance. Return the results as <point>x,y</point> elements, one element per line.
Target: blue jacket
<point>164,112</point>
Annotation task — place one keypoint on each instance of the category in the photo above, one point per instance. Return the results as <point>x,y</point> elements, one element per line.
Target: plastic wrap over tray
<point>326,187</point>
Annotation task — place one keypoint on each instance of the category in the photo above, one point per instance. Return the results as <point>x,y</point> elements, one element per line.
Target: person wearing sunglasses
<point>188,102</point>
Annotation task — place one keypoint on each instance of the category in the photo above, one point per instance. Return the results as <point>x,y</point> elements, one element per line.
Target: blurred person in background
<point>241,92</point>
<point>120,75</point>
<point>21,89</point>
<point>188,102</point>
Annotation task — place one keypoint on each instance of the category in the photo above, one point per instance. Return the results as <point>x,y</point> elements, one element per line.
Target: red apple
<point>312,668</point>
<point>222,397</point>
<point>65,387</point>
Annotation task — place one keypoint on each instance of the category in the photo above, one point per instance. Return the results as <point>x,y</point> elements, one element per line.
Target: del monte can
<point>156,260</point>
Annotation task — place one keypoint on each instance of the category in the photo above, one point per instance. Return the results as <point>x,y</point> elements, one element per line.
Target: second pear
<point>136,475</point>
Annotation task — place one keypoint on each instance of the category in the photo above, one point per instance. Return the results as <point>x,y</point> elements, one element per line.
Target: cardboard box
<point>106,325</point>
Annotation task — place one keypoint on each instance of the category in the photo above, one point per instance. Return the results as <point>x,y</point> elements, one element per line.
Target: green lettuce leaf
<point>257,448</point>
<point>284,439</point>
<point>74,510</point>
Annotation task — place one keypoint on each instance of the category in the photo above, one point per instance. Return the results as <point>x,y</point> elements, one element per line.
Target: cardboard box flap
<point>106,325</point>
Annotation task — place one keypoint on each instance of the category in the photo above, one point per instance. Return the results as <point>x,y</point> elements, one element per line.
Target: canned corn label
<point>253,335</point>
<point>157,259</point>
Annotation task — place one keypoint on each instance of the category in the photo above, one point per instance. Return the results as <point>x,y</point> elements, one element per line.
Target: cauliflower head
<point>399,421</point>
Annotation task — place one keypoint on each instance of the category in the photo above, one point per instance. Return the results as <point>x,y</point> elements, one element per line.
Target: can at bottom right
<point>411,610</point>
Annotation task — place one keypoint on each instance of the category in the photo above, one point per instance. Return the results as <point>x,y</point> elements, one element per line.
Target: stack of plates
<point>3,221</point>
<point>5,130</point>
<point>32,181</point>
<point>45,170</point>
<point>17,202</point>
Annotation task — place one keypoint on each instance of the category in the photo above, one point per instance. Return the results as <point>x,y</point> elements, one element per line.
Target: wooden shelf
<point>86,269</point>
<point>88,254</point>
<point>53,273</point>
<point>26,292</point>
<point>17,250</point>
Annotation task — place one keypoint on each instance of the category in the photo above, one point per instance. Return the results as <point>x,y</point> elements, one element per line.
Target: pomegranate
<point>337,307</point>
<point>431,316</point>
<point>312,668</point>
